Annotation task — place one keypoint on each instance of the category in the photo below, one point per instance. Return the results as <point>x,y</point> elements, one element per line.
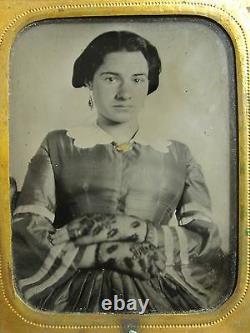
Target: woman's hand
<point>98,228</point>
<point>141,260</point>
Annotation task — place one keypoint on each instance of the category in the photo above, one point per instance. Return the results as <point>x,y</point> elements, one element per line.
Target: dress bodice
<point>144,182</point>
<point>141,182</point>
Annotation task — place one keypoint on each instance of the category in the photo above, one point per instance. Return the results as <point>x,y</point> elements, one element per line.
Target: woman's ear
<point>90,86</point>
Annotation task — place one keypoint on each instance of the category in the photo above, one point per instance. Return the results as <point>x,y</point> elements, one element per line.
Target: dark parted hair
<point>92,57</point>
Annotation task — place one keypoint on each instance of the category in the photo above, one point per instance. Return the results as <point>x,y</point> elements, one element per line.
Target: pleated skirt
<point>86,290</point>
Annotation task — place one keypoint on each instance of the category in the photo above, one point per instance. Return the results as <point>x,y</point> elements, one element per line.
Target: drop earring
<point>91,102</point>
<point>91,99</point>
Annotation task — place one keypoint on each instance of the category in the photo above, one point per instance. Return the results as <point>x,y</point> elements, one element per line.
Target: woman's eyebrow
<point>109,73</point>
<point>117,74</point>
<point>140,74</point>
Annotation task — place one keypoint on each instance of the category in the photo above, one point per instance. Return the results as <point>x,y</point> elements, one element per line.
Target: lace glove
<point>98,228</point>
<point>141,260</point>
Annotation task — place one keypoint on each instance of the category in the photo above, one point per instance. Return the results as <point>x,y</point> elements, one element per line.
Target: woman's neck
<point>121,132</point>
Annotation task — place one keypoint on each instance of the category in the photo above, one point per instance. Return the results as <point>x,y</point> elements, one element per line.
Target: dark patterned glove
<point>97,228</point>
<point>141,260</point>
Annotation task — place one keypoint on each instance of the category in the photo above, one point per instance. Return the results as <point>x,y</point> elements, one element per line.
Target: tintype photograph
<point>123,165</point>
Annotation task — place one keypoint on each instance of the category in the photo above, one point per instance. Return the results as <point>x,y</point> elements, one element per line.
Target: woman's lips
<point>122,106</point>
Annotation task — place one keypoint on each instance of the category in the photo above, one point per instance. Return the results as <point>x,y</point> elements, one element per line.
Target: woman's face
<point>120,86</point>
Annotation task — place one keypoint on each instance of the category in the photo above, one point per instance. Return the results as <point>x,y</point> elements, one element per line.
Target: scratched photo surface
<point>123,151</point>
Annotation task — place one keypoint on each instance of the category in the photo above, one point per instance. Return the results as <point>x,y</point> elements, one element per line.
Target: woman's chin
<point>122,119</point>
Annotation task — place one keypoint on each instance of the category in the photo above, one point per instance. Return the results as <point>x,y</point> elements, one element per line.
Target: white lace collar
<point>90,134</point>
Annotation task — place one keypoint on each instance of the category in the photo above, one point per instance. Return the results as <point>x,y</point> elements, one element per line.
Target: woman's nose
<point>123,92</point>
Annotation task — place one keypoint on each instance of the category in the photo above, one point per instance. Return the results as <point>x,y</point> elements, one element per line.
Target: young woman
<point>92,218</point>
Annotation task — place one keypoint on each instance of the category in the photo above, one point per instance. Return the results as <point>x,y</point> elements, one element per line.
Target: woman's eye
<point>139,80</point>
<point>110,79</point>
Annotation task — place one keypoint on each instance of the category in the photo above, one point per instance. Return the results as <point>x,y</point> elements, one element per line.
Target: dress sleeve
<point>193,246</point>
<point>195,203</point>
<point>38,192</point>
<point>194,213</point>
<point>39,266</point>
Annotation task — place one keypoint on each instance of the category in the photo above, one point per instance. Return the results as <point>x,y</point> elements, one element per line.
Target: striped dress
<point>67,179</point>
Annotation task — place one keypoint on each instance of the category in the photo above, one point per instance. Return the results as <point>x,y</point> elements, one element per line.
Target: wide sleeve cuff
<point>35,209</point>
<point>194,211</point>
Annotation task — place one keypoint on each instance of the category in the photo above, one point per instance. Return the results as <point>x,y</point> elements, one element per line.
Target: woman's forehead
<point>124,61</point>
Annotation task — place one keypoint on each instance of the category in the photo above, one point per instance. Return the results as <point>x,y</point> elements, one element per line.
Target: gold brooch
<point>122,147</point>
